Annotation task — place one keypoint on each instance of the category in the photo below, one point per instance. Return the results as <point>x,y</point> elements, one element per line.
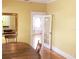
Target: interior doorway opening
<point>41,30</point>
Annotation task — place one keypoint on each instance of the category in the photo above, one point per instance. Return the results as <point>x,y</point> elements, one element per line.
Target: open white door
<point>48,31</point>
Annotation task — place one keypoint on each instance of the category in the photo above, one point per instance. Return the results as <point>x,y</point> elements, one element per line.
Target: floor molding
<point>57,50</point>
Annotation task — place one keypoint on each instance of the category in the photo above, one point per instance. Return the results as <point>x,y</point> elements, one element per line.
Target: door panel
<point>47,31</point>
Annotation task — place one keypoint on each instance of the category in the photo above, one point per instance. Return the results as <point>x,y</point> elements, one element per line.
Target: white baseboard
<point>67,56</point>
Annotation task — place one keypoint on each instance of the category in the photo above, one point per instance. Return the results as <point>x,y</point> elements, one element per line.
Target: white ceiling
<point>38,1</point>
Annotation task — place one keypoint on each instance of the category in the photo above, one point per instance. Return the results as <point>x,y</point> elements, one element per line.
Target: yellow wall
<point>24,16</point>
<point>64,21</point>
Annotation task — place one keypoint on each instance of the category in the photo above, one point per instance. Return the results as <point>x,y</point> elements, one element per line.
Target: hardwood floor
<point>25,51</point>
<point>18,50</point>
<point>47,54</point>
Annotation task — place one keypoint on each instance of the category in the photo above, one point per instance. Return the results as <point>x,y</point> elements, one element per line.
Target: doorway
<point>41,30</point>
